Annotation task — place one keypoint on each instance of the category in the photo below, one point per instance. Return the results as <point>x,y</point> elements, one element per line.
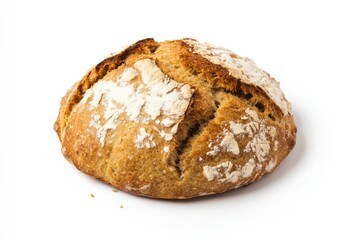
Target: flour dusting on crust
<point>156,96</point>
<point>255,129</point>
<point>227,141</point>
<point>144,139</point>
<point>228,172</point>
<point>244,69</point>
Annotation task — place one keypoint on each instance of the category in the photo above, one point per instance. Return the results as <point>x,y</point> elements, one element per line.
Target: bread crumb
<point>121,206</point>
<point>92,195</point>
<point>115,190</point>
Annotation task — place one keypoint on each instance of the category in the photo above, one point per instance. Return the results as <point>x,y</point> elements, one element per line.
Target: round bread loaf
<point>176,119</point>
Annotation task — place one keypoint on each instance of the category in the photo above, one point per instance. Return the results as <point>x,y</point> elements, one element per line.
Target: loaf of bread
<point>176,119</point>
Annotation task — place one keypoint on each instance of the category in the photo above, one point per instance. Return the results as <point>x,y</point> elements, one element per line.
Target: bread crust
<point>162,120</point>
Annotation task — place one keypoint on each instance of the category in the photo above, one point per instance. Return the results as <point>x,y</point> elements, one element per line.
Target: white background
<point>311,47</point>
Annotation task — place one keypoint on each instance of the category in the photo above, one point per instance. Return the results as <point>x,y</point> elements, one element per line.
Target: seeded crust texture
<point>175,120</point>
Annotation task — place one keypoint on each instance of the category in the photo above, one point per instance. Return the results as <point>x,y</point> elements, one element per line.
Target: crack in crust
<point>244,69</point>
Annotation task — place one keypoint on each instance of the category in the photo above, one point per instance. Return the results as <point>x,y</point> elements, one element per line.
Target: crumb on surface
<point>121,206</point>
<point>115,190</point>
<point>92,195</point>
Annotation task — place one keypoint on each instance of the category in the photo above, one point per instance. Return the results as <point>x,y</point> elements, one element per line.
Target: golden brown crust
<point>75,94</point>
<point>228,133</point>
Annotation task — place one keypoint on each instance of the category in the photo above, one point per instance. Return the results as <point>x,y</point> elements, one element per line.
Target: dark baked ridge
<point>228,99</point>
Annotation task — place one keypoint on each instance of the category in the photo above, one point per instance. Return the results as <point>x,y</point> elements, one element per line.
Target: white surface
<point>311,47</point>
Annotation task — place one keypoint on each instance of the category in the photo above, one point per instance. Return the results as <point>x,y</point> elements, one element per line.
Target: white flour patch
<point>229,144</point>
<point>257,132</point>
<point>166,149</point>
<point>143,101</point>
<point>255,129</point>
<point>228,172</point>
<point>144,139</point>
<point>244,69</point>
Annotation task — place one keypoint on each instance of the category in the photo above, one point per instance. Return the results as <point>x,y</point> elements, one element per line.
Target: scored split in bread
<point>176,119</point>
